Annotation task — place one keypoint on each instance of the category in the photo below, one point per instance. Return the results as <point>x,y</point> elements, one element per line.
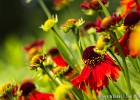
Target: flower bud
<point>49,23</point>
<point>106,23</point>
<point>102,42</point>
<point>36,59</point>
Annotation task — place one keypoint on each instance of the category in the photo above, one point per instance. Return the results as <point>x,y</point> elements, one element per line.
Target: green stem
<point>74,94</point>
<point>127,78</point>
<point>116,60</point>
<point>89,92</point>
<point>45,9</point>
<point>10,95</point>
<point>46,71</point>
<point>56,33</point>
<point>75,32</point>
<point>108,90</point>
<point>95,95</point>
<point>134,63</point>
<point>104,8</point>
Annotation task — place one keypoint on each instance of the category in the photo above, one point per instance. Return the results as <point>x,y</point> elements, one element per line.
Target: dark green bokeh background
<point>17,17</point>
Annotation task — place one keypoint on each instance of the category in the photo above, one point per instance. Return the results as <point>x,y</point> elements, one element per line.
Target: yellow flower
<point>6,87</point>
<point>71,23</point>
<point>61,91</point>
<point>49,23</point>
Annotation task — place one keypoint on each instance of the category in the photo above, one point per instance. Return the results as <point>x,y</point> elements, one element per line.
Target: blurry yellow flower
<point>49,23</point>
<point>6,87</point>
<point>134,41</point>
<point>62,91</point>
<point>71,23</point>
<point>36,59</point>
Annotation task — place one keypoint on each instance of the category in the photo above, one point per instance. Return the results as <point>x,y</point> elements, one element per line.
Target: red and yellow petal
<point>59,61</point>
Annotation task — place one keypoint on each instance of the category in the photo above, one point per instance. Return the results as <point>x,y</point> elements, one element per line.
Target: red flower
<point>59,4</point>
<point>93,24</point>
<point>129,6</point>
<point>61,64</point>
<point>41,96</point>
<point>98,68</point>
<point>28,92</point>
<point>37,44</point>
<point>57,58</point>
<point>26,88</point>
<point>93,4</point>
<point>130,41</point>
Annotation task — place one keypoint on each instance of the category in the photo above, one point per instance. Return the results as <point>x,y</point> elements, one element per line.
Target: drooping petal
<point>124,44</point>
<point>59,60</point>
<point>79,81</point>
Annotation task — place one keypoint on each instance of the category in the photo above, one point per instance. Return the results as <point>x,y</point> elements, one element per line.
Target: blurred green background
<point>19,25</point>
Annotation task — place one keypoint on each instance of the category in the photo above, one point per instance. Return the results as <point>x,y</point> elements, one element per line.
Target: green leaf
<point>65,52</point>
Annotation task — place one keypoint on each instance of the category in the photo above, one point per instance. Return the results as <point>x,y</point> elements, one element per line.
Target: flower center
<point>91,58</point>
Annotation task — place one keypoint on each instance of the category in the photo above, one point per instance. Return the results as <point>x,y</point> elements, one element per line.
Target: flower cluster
<point>106,56</point>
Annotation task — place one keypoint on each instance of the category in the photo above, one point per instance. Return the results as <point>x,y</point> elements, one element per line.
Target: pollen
<point>90,57</point>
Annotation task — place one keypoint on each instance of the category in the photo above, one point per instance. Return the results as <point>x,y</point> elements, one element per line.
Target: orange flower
<point>98,68</point>
<point>129,6</point>
<point>134,43</point>
<point>131,39</point>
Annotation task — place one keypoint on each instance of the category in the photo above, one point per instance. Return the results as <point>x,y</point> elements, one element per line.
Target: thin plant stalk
<point>116,60</point>
<point>104,8</point>
<point>46,71</point>
<point>124,64</point>
<point>48,14</point>
<point>108,90</point>
<point>10,95</point>
<point>45,9</point>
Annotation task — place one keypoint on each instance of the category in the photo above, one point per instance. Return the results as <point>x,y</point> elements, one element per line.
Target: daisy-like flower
<point>130,41</point>
<point>7,87</point>
<point>28,92</point>
<point>129,6</point>
<point>98,68</point>
<point>60,4</point>
<point>71,23</point>
<point>49,23</point>
<point>92,5</point>
<point>62,67</point>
